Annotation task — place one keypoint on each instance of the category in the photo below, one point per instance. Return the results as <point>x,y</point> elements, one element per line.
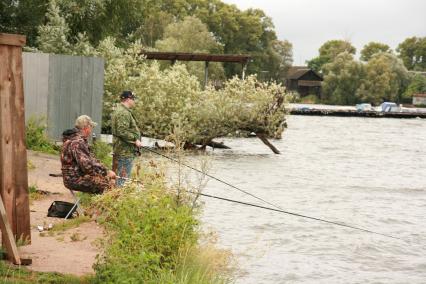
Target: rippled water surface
<point>364,172</point>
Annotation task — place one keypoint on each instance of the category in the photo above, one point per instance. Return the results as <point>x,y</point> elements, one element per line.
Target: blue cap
<point>127,95</point>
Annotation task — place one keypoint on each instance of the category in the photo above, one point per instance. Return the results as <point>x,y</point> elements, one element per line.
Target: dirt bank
<point>72,251</point>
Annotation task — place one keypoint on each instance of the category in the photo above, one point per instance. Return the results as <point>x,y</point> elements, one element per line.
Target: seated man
<point>81,171</point>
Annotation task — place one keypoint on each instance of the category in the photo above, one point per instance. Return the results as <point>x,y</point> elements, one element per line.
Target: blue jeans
<point>124,169</point>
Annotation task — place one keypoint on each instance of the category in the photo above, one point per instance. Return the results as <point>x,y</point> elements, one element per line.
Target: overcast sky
<point>307,24</point>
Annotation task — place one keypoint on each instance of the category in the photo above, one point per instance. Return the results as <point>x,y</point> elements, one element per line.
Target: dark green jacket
<point>125,132</point>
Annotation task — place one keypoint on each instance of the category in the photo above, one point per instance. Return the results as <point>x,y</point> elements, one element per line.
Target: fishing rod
<point>215,178</point>
<point>279,211</point>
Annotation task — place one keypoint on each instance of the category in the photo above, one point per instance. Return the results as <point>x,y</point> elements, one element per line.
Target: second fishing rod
<point>278,208</point>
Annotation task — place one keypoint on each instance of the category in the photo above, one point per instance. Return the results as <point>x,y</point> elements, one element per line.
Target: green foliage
<point>30,165</point>
<point>372,48</point>
<point>36,138</point>
<point>173,98</point>
<point>249,32</point>
<point>342,78</point>
<point>35,193</point>
<point>309,99</point>
<point>192,35</point>
<point>329,51</point>
<point>412,51</point>
<point>53,35</point>
<point>385,80</point>
<point>316,63</point>
<point>189,35</point>
<point>22,17</point>
<point>147,232</point>
<point>281,59</point>
<point>10,274</point>
<point>417,85</point>
<point>152,238</point>
<point>103,152</point>
<point>68,224</point>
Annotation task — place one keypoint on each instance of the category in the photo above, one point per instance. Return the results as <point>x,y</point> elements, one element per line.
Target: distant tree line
<point>180,25</point>
<point>171,101</point>
<point>380,74</point>
<point>80,26</point>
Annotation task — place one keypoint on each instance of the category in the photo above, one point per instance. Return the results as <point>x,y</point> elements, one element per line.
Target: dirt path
<point>59,253</point>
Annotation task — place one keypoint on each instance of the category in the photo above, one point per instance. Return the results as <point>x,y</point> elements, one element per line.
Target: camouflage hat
<point>83,121</point>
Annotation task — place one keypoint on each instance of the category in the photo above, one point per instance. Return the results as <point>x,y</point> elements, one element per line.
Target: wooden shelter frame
<point>207,58</point>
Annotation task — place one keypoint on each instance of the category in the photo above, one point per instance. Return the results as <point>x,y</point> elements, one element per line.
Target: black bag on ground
<point>60,209</point>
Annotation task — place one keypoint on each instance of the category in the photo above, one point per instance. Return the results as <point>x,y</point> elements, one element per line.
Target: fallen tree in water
<point>172,101</point>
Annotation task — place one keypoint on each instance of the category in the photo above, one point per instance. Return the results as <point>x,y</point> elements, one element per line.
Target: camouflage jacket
<point>76,158</point>
<point>125,132</point>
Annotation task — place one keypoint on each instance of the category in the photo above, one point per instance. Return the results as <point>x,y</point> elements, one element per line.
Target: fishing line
<point>294,214</point>
<point>279,211</point>
<point>215,178</point>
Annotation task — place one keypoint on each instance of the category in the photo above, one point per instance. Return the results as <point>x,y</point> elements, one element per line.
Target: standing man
<point>126,136</point>
<point>81,171</point>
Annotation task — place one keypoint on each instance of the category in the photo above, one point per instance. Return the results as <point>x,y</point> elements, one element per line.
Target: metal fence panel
<point>73,85</point>
<point>36,87</point>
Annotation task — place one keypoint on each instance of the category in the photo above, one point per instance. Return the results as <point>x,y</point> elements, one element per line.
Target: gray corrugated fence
<point>62,87</point>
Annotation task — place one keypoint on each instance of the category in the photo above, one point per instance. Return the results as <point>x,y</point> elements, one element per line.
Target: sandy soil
<point>58,253</point>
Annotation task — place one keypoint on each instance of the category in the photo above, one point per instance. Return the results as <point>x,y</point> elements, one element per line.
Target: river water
<point>365,172</point>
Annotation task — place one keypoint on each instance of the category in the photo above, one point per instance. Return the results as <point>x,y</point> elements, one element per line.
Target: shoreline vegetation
<point>152,231</point>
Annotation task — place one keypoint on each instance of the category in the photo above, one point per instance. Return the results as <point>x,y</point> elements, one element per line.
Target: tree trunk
<point>267,143</point>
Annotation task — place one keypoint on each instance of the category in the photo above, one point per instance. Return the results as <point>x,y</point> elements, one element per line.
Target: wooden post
<point>13,153</point>
<point>243,72</point>
<point>206,73</point>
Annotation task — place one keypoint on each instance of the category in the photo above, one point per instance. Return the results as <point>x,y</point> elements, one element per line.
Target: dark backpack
<point>60,209</point>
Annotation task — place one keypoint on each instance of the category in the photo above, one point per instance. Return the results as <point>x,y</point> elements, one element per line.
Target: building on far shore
<point>304,80</point>
<point>419,99</point>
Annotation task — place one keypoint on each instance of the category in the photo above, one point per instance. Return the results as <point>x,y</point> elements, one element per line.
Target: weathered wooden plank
<point>22,212</point>
<point>12,39</point>
<point>13,166</point>
<point>8,239</point>
<point>6,135</point>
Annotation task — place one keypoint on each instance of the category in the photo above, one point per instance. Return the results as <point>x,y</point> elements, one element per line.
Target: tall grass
<point>10,274</point>
<point>153,238</point>
<point>103,152</point>
<point>37,140</point>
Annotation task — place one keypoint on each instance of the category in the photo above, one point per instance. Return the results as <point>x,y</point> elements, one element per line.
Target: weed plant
<point>152,236</point>
<point>103,152</point>
<point>37,139</point>
<point>10,274</point>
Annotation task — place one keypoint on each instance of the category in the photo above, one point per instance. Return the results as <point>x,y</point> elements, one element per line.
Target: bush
<point>173,98</point>
<point>147,231</point>
<point>310,99</point>
<point>103,152</point>
<point>151,238</point>
<point>37,140</point>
